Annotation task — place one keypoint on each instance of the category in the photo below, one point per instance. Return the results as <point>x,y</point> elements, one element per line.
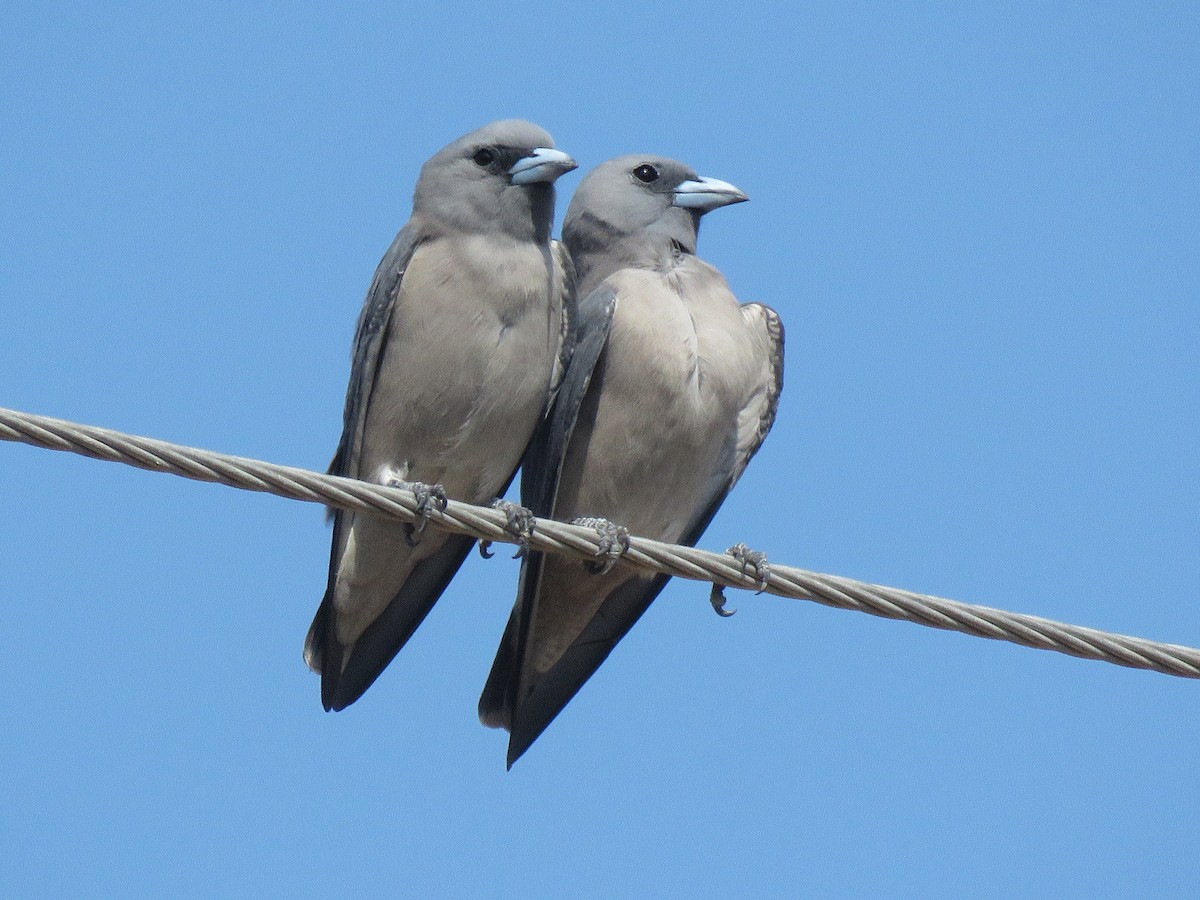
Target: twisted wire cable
<point>643,553</point>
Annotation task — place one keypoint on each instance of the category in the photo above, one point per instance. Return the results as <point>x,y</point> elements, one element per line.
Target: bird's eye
<point>484,157</point>
<point>646,173</point>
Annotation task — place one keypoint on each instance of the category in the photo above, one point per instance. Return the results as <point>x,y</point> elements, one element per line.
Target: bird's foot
<point>614,541</point>
<point>752,559</point>
<point>519,525</point>
<point>428,496</point>
<point>749,559</point>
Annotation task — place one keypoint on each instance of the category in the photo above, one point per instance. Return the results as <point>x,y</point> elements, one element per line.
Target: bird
<point>462,340</point>
<point>671,389</point>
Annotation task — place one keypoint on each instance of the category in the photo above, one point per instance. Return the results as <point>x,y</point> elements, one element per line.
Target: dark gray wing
<point>626,604</point>
<point>540,474</point>
<point>569,324</point>
<point>370,336</point>
<point>542,466</point>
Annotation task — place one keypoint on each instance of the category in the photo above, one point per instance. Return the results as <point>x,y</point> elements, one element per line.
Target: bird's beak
<point>707,194</point>
<point>543,164</point>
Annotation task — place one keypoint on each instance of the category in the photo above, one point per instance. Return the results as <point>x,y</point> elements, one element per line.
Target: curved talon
<point>613,543</point>
<point>717,599</point>
<point>755,559</point>
<point>519,524</point>
<point>484,551</point>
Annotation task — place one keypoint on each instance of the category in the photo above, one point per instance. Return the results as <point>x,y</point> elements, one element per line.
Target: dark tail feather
<point>623,607</point>
<point>498,699</point>
<point>322,651</point>
<point>495,703</point>
<point>384,638</point>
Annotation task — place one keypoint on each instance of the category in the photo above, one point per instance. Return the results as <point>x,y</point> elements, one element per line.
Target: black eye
<point>646,173</point>
<point>484,157</point>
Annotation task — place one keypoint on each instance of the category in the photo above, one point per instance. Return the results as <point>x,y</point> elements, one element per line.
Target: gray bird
<point>671,390</point>
<point>462,340</point>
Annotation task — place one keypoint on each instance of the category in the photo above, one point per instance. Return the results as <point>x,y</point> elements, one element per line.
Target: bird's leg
<point>614,541</point>
<point>519,525</point>
<point>428,496</point>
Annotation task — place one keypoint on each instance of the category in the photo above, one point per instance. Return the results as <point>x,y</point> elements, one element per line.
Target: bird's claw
<point>613,543</point>
<point>748,559</point>
<point>717,599</point>
<point>519,525</point>
<point>428,496</point>
<point>752,559</point>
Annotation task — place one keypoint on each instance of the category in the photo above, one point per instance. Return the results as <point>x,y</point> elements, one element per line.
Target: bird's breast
<point>683,330</point>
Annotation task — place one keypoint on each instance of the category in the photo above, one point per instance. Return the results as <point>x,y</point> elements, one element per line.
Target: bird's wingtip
<point>514,753</point>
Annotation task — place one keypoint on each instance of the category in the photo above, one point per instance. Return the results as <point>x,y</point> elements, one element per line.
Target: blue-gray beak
<point>543,164</point>
<point>707,194</point>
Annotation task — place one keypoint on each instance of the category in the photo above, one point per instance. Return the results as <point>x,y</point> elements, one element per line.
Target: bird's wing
<point>540,475</point>
<point>569,324</point>
<point>756,417</point>
<point>370,337</point>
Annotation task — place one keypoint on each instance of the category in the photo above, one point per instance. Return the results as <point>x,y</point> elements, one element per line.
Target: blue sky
<point>980,225</point>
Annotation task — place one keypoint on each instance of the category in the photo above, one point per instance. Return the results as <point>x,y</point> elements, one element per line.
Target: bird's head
<point>497,178</point>
<point>634,209</point>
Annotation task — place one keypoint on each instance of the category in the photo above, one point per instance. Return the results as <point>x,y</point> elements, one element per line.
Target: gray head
<point>499,177</point>
<point>638,211</point>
